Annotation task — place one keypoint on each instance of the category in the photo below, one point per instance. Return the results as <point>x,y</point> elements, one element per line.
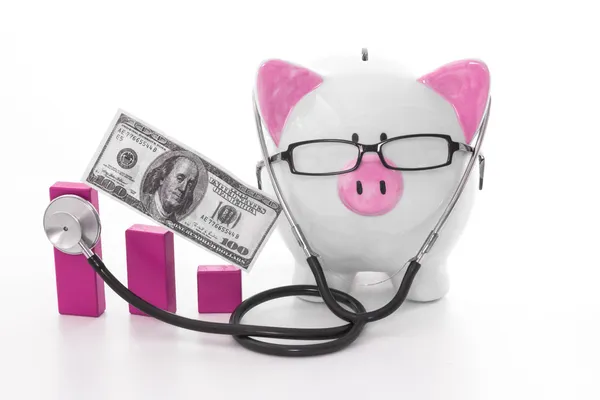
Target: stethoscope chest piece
<point>69,220</point>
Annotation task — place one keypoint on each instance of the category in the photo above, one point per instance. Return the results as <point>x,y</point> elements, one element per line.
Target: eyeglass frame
<point>287,155</point>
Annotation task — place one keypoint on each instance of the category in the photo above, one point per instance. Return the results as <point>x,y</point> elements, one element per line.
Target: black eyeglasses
<point>324,157</point>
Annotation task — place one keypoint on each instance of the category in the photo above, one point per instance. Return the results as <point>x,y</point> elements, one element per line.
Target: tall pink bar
<point>151,266</point>
<point>80,290</point>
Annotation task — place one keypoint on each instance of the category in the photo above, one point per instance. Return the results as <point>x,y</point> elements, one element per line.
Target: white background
<point>522,319</point>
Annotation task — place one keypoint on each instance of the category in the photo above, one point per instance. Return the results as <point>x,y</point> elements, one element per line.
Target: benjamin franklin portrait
<point>173,186</point>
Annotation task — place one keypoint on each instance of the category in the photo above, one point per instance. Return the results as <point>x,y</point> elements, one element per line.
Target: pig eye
<point>355,137</point>
<point>383,137</point>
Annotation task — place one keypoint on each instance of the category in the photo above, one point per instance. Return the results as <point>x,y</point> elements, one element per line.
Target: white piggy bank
<point>370,208</point>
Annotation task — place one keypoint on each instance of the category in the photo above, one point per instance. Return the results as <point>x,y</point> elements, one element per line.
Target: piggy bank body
<point>371,154</point>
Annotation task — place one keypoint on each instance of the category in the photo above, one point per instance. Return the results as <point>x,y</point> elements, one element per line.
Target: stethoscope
<point>73,226</point>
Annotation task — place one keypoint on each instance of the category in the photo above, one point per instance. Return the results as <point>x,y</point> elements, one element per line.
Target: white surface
<point>522,319</point>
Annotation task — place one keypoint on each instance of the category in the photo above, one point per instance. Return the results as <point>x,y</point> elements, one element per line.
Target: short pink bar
<point>219,288</point>
<point>80,290</point>
<point>151,266</point>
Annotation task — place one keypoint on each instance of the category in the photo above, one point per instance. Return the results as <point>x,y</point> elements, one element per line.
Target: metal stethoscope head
<point>72,225</point>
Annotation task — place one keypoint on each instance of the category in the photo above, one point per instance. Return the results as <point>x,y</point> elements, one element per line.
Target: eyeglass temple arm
<point>260,165</point>
<point>471,149</point>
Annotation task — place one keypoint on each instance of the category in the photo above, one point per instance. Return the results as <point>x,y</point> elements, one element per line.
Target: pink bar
<point>219,288</point>
<point>151,266</point>
<point>80,290</point>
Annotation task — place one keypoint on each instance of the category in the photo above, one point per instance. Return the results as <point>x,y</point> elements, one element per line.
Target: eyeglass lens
<point>325,157</point>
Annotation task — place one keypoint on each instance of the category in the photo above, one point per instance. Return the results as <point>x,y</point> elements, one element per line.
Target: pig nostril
<point>358,187</point>
<point>382,187</point>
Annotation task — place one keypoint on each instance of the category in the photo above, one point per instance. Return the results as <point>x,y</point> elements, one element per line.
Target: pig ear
<point>280,85</point>
<point>465,84</point>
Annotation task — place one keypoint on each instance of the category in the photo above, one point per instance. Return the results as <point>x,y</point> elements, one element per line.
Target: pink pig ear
<point>466,85</point>
<point>280,85</point>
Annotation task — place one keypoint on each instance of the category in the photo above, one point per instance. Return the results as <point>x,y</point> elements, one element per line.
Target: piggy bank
<point>367,155</point>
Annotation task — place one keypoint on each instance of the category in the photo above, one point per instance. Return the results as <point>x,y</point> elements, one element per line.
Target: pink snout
<point>372,189</point>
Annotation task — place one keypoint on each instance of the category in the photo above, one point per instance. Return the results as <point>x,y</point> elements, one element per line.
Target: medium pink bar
<point>80,290</point>
<point>219,288</point>
<point>151,266</point>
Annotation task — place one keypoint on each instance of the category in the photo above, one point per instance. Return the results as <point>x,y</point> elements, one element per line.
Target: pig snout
<point>372,189</point>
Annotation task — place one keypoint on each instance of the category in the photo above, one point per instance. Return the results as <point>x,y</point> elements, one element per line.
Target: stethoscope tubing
<point>336,338</point>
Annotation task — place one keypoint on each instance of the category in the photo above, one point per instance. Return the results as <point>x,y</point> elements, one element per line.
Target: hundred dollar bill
<point>182,190</point>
